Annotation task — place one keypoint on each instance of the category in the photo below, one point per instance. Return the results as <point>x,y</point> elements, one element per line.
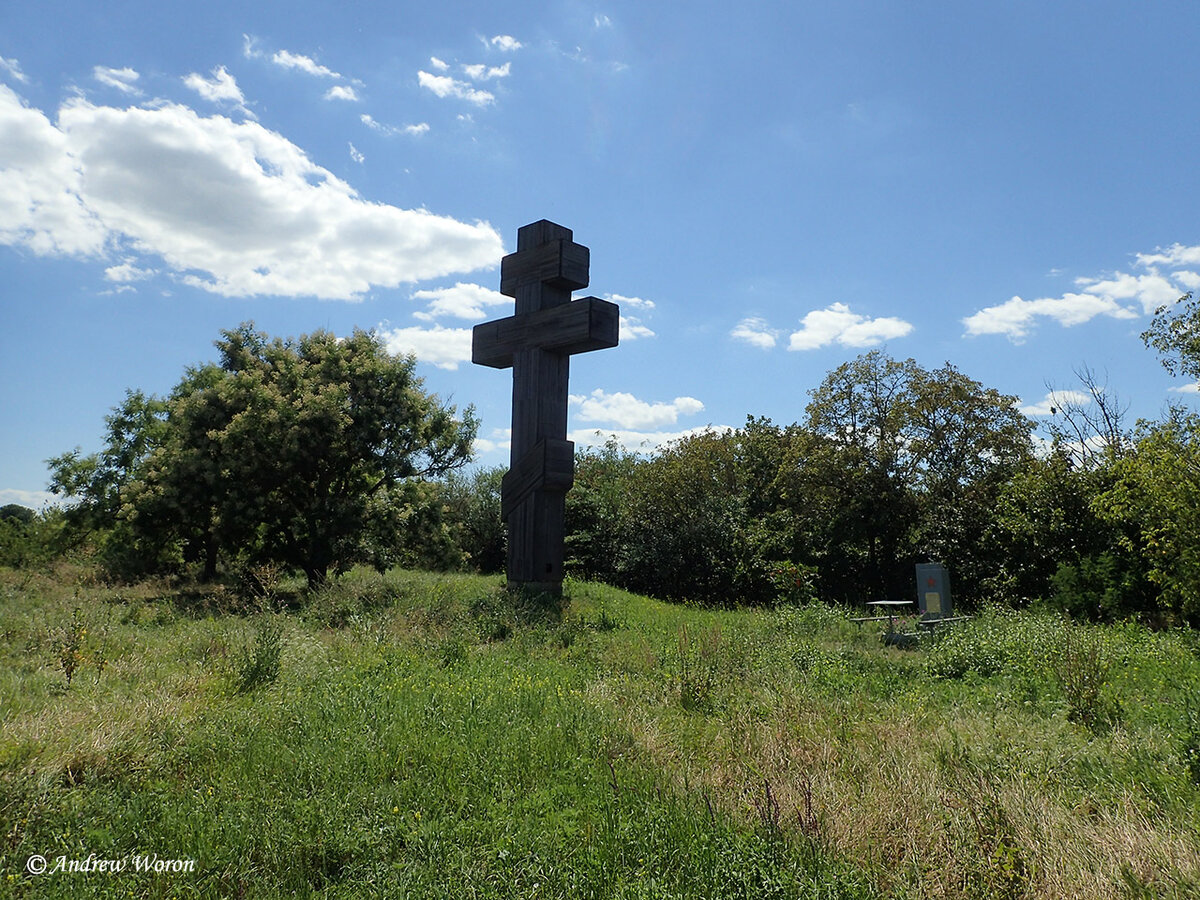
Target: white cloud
<point>837,323</point>
<point>1151,291</point>
<point>32,499</point>
<point>290,60</point>
<point>633,302</point>
<point>124,80</point>
<point>506,43</point>
<point>632,329</point>
<point>438,346</point>
<point>389,130</point>
<point>1056,401</point>
<point>231,207</point>
<point>481,72</point>
<point>627,412</point>
<point>445,86</point>
<point>1016,317</point>
<point>13,68</point>
<point>639,441</point>
<point>601,21</point>
<point>1103,296</point>
<point>439,64</point>
<point>220,89</point>
<point>342,92</point>
<point>756,332</point>
<point>40,186</point>
<point>463,301</point>
<point>356,155</point>
<point>1174,256</point>
<point>1193,388</point>
<point>500,440</point>
<point>127,272</point>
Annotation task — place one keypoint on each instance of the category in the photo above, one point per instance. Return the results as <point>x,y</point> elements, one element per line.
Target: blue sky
<point>767,189</point>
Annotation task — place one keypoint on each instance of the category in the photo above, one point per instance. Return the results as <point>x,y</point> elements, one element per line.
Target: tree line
<point>320,453</point>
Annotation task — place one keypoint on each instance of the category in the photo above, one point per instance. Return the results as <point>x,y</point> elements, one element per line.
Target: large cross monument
<point>537,343</point>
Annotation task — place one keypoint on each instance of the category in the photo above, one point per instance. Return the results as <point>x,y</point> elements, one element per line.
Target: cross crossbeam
<point>537,343</point>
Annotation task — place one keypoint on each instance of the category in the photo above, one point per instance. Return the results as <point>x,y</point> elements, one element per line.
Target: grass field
<point>416,735</point>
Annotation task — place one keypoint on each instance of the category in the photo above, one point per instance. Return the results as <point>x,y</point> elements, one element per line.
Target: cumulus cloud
<point>1016,317</point>
<point>127,272</point>
<point>1055,401</point>
<point>439,64</point>
<point>630,302</point>
<point>463,301</point>
<point>289,60</point>
<point>41,183</point>
<point>445,86</point>
<point>836,323</point>
<point>1193,388</point>
<point>639,441</point>
<point>443,347</point>
<point>31,499</point>
<point>756,332</point>
<point>221,89</point>
<point>230,207</point>
<point>1172,257</point>
<point>499,439</point>
<point>1120,295</point>
<point>124,80</point>
<point>356,155</point>
<point>627,412</point>
<point>481,72</point>
<point>342,92</point>
<point>632,329</point>
<point>506,42</point>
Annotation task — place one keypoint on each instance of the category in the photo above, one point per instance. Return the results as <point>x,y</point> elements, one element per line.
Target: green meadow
<point>419,735</point>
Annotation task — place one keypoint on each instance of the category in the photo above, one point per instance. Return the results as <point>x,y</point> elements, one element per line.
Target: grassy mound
<point>419,735</point>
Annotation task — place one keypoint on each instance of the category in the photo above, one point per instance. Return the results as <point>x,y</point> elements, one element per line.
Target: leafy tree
<point>1156,497</point>
<point>597,511</point>
<point>906,466</point>
<point>472,504</point>
<point>284,451</point>
<point>1175,334</point>
<point>15,512</point>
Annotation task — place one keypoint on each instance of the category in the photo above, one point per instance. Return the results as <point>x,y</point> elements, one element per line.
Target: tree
<point>1156,497</point>
<point>1175,334</point>
<point>473,506</point>
<point>906,465</point>
<point>281,452</point>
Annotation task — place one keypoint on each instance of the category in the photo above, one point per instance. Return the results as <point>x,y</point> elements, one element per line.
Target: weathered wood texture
<point>537,343</point>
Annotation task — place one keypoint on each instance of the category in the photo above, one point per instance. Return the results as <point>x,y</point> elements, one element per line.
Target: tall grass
<point>420,735</point>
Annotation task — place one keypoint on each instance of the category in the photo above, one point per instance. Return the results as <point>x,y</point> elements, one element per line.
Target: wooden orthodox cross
<point>537,343</point>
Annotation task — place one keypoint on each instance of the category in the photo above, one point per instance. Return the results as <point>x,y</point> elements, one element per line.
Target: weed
<point>259,664</point>
<point>1082,672</point>
<point>68,644</point>
<point>698,667</point>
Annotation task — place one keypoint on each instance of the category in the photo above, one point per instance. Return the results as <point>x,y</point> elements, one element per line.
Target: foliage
<point>1175,334</point>
<point>1156,496</point>
<point>472,504</point>
<point>288,451</point>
